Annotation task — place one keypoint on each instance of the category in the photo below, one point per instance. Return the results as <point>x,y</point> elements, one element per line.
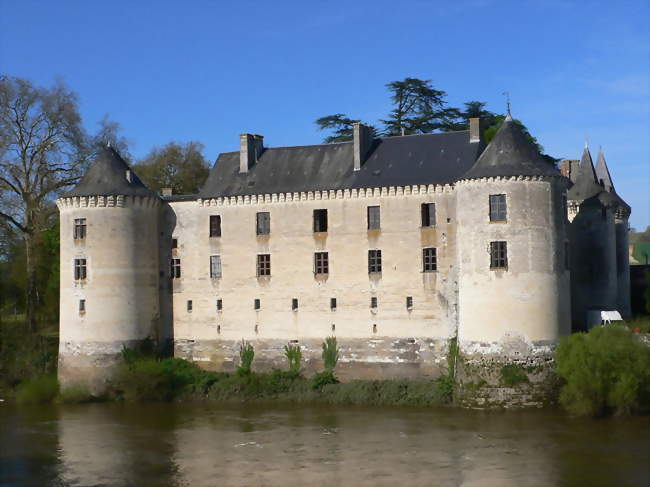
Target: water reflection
<point>112,444</point>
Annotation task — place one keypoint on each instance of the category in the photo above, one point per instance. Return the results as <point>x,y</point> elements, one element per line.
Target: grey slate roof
<point>602,173</point>
<point>107,176</point>
<point>510,153</point>
<point>392,161</point>
<point>585,183</point>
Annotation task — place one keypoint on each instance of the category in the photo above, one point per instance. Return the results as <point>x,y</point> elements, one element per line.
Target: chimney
<point>362,143</point>
<point>475,130</point>
<point>250,149</point>
<point>166,191</point>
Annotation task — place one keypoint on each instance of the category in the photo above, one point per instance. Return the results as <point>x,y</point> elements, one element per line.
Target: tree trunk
<point>31,297</point>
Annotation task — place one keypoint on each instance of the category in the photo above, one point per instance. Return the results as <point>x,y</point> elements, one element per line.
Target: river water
<point>206,445</point>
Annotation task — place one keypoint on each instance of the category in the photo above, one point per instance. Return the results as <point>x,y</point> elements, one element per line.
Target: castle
<point>395,246</point>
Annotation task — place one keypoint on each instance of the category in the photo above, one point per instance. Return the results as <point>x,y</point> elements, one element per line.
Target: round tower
<point>109,270</point>
<point>514,295</point>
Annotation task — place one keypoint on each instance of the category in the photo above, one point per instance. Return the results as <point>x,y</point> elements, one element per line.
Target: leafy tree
<point>640,237</point>
<point>43,149</point>
<point>459,119</point>
<point>181,167</point>
<point>341,125</point>
<point>417,107</point>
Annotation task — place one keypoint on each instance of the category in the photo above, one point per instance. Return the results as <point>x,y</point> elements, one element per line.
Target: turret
<point>513,276</point>
<point>109,270</point>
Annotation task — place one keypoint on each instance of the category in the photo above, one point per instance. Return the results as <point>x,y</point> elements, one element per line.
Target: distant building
<point>393,245</point>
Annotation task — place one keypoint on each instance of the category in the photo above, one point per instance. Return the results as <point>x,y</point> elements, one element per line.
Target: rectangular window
<point>82,306</point>
<point>294,304</point>
<point>320,221</point>
<point>409,302</point>
<point>498,212</point>
<point>263,223</point>
<point>332,304</point>
<point>498,255</point>
<point>174,243</point>
<point>373,302</point>
<point>321,263</point>
<point>374,222</point>
<point>256,304</point>
<point>215,225</point>
<point>175,272</point>
<point>80,269</point>
<point>79,231</point>
<point>215,266</point>
<point>429,260</point>
<point>264,265</point>
<point>219,304</point>
<point>189,305</point>
<point>428,211</point>
<point>374,261</point>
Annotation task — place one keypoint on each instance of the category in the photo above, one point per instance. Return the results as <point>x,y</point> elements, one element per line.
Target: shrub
<point>513,374</point>
<point>246,355</point>
<point>294,356</point>
<point>322,379</point>
<point>40,390</point>
<point>143,380</point>
<point>606,370</point>
<point>76,394</point>
<point>330,353</point>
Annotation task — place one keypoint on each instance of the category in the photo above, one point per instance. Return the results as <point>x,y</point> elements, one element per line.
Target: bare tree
<point>43,150</point>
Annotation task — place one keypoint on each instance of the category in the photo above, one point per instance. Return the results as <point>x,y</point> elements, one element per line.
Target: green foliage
<point>76,394</point>
<point>640,324</point>
<point>246,355</point>
<point>181,167</point>
<point>294,357</point>
<point>513,374</point>
<point>321,379</point>
<point>39,390</point>
<point>330,353</point>
<point>341,125</point>
<point>606,370</point>
<point>452,357</point>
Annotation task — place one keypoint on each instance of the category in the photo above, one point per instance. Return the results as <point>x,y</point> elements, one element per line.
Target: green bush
<point>513,374</point>
<point>330,353</point>
<point>606,370</point>
<point>294,357</point>
<point>76,394</point>
<point>246,355</point>
<point>322,379</point>
<point>40,390</point>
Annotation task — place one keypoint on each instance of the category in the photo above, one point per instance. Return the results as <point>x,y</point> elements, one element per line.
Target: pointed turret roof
<point>602,172</point>
<point>107,175</point>
<point>586,184</point>
<point>510,153</point>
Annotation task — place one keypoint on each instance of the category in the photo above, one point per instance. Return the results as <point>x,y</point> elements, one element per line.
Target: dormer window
<point>128,175</point>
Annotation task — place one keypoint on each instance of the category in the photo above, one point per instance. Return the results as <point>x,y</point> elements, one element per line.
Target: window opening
<point>374,261</point>
<point>79,232</point>
<point>189,305</point>
<point>321,263</point>
<point>219,304</point>
<point>82,306</point>
<point>429,260</point>
<point>294,304</point>
<point>215,225</point>
<point>409,302</point>
<point>373,302</point>
<point>174,243</point>
<point>263,223</point>
<point>333,304</point>
<point>256,304</point>
<point>264,264</point>
<point>320,220</point>
<point>498,255</point>
<point>175,268</point>
<point>374,218</point>
<point>80,269</point>
<point>215,266</point>
<point>428,214</point>
<point>498,210</point>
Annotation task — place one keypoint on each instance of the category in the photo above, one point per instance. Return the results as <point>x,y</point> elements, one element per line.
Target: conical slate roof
<point>108,176</point>
<point>586,184</point>
<point>602,172</point>
<point>510,153</point>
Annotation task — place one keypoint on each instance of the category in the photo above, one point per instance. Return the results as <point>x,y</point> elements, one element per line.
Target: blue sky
<point>207,70</point>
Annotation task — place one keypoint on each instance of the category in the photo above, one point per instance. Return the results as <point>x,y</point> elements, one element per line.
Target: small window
<point>374,328</point>
<point>428,214</point>
<point>333,327</point>
<point>333,304</point>
<point>189,305</point>
<point>498,255</point>
<point>218,329</point>
<point>294,304</point>
<point>373,302</point>
<point>498,212</point>
<point>321,263</point>
<point>82,306</point>
<point>374,222</point>
<point>80,270</point>
<point>79,231</point>
<point>374,261</point>
<point>320,220</point>
<point>429,260</point>
<point>215,225</point>
<point>264,264</point>
<point>263,223</point>
<point>174,243</point>
<point>409,302</point>
<point>256,304</point>
<point>215,266</point>
<point>219,304</point>
<point>175,269</point>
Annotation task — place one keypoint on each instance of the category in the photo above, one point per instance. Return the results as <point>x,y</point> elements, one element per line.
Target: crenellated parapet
<point>109,201</point>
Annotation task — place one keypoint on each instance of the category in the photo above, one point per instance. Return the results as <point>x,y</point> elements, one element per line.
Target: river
<point>269,445</point>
